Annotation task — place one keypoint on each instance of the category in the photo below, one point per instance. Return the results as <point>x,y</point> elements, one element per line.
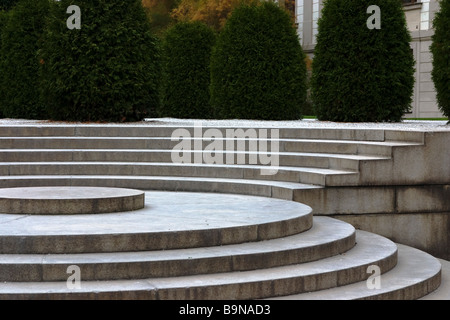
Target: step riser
<point>167,131</point>
<point>382,200</point>
<point>170,171</point>
<point>338,148</point>
<point>56,271</point>
<point>167,157</point>
<point>245,290</point>
<point>162,184</point>
<point>147,180</point>
<point>147,241</point>
<point>315,146</point>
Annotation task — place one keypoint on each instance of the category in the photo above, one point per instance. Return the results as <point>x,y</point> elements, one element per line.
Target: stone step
<point>327,237</point>
<point>69,200</point>
<point>343,269</point>
<point>168,221</point>
<point>265,188</point>
<point>152,129</point>
<point>416,275</point>
<point>346,147</point>
<point>380,148</point>
<point>443,291</point>
<point>127,260</point>
<point>317,176</point>
<point>292,159</point>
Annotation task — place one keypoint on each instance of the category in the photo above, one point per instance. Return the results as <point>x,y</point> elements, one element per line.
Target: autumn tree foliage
<point>213,13</point>
<point>159,14</point>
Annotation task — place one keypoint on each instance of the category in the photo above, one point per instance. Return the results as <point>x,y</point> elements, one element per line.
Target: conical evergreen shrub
<point>108,70</point>
<point>440,49</point>
<point>258,68</point>
<point>362,74</point>
<point>19,63</point>
<point>187,51</point>
<point>3,20</point>
<point>7,4</point>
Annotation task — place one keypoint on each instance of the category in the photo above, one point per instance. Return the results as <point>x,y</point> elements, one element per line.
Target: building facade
<point>419,15</point>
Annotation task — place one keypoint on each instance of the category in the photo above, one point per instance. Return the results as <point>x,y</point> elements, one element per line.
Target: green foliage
<point>187,50</point>
<point>3,20</point>
<point>362,74</point>
<point>7,4</point>
<point>258,68</point>
<point>109,70</point>
<point>19,63</point>
<point>440,49</point>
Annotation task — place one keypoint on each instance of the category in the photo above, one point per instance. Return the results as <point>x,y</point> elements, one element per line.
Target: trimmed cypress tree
<point>187,50</point>
<point>440,49</point>
<point>258,68</point>
<point>19,63</point>
<point>7,4</point>
<point>362,74</point>
<point>3,20</point>
<point>3,17</point>
<point>108,70</point>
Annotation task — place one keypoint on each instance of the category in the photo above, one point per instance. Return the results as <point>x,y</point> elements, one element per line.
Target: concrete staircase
<point>317,258</point>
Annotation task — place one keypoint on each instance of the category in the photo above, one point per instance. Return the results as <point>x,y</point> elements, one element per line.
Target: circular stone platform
<point>169,220</point>
<point>69,200</point>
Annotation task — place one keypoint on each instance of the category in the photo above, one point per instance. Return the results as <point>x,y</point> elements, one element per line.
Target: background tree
<point>3,17</point>
<point>440,49</point>
<point>258,67</point>
<point>19,63</point>
<point>108,70</point>
<point>212,12</point>
<point>187,50</point>
<point>7,4</point>
<point>362,74</point>
<point>159,13</point>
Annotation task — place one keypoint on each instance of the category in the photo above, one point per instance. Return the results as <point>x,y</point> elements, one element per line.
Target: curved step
<point>334,271</point>
<point>290,159</point>
<point>443,291</point>
<point>69,200</point>
<point>265,188</point>
<point>416,275</point>
<point>279,173</point>
<point>163,143</point>
<point>162,128</point>
<point>327,237</point>
<point>168,221</point>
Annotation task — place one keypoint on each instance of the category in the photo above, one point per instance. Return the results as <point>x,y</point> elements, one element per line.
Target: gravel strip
<point>409,125</point>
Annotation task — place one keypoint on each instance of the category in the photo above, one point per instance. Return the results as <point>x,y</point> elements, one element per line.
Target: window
<point>408,2</point>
